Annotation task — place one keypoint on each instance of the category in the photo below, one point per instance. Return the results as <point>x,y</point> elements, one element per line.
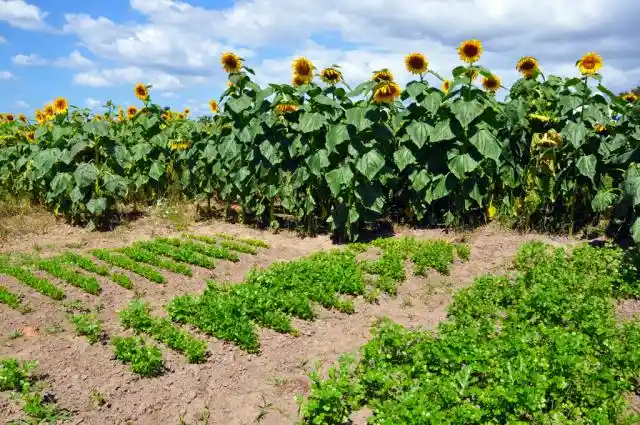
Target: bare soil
<point>232,387</point>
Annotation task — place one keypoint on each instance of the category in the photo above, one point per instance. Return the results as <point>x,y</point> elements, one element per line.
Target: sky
<point>92,51</point>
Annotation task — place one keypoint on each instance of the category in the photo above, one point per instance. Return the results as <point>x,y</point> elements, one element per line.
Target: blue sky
<point>92,51</point>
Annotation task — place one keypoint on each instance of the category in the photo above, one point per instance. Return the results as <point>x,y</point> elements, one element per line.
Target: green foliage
<point>55,267</point>
<point>239,247</point>
<point>211,251</point>
<point>137,316</point>
<point>16,376</point>
<point>85,263</point>
<point>87,325</point>
<point>145,360</point>
<point>541,347</point>
<point>28,278</point>
<point>463,251</point>
<point>12,300</point>
<point>122,280</point>
<point>144,256</point>
<point>126,263</point>
<point>183,254</point>
<point>248,241</point>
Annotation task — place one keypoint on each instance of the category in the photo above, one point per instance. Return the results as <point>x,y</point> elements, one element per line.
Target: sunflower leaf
<point>466,112</point>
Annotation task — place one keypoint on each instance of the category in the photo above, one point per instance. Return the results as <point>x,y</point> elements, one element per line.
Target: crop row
<point>543,346</point>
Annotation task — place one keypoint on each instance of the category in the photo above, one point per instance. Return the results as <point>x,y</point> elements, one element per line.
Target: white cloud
<point>131,75</point>
<point>3,40</point>
<point>20,104</point>
<point>169,95</point>
<point>92,103</point>
<point>6,75</point>
<point>74,60</point>
<point>21,14</point>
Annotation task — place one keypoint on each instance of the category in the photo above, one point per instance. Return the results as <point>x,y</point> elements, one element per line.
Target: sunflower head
<point>186,112</point>
<point>40,116</point>
<point>97,117</point>
<point>231,62</point>
<point>30,136</point>
<point>491,212</point>
<point>303,67</point>
<point>446,86</point>
<point>470,50</point>
<point>132,111</point>
<point>492,83</point>
<point>471,74</point>
<point>599,128</point>
<point>49,111</point>
<point>300,80</point>
<point>141,91</point>
<point>630,97</point>
<point>382,75</point>
<point>60,105</point>
<point>120,114</point>
<point>590,63</point>
<point>331,76</point>
<point>416,63</point>
<point>386,92</point>
<point>166,115</point>
<point>22,118</point>
<point>528,66</point>
<point>213,105</point>
<point>285,108</point>
<point>8,117</point>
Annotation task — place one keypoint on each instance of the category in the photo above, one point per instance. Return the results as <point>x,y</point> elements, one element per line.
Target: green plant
<point>178,254</point>
<point>211,251</point>
<point>144,360</point>
<point>463,251</point>
<point>142,255</point>
<point>13,300</point>
<point>248,241</point>
<point>15,334</point>
<point>238,247</point>
<point>126,263</point>
<point>122,280</point>
<point>16,376</point>
<point>85,263</point>
<point>87,325</point>
<point>28,278</point>
<point>55,267</point>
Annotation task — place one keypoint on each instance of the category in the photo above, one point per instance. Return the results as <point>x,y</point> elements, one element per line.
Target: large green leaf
<point>115,185</point>
<point>603,200</point>
<point>442,131</point>
<point>575,133</point>
<point>486,144</point>
<point>462,164</point>
<point>419,132</point>
<point>85,175</point>
<point>318,162</point>
<point>156,171</point>
<point>371,196</point>
<point>416,88</point>
<point>61,183</point>
<point>122,155</point>
<point>444,184</point>
<point>44,161</point>
<point>338,178</point>
<point>420,179</point>
<point>336,135</point>
<point>466,112</point>
<point>269,151</point>
<point>357,117</point>
<point>587,166</point>
<point>403,157</point>
<point>311,121</point>
<point>97,206</point>
<point>635,230</point>
<point>239,104</point>
<point>432,102</point>
<point>370,164</point>
<point>140,151</point>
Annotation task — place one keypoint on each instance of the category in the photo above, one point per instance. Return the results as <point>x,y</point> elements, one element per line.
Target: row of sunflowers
<point>325,154</point>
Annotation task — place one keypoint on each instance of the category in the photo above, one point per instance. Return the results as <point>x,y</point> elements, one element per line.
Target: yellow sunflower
<point>542,117</point>
<point>30,136</point>
<point>40,117</point>
<point>299,80</point>
<point>9,117</point>
<point>213,105</point>
<point>590,63</point>
<point>471,73</point>
<point>386,92</point>
<point>331,76</point>
<point>630,97</point>
<point>22,118</point>
<point>97,117</point>
<point>166,115</point>
<point>416,63</point>
<point>599,128</point>
<point>49,111</point>
<point>120,114</point>
<point>528,66</point>
<point>231,62</point>
<point>61,105</point>
<point>141,91</point>
<point>186,112</point>
<point>492,83</point>
<point>470,50</point>
<point>446,86</point>
<point>132,111</point>
<point>284,108</point>
<point>303,67</point>
<point>382,75</point>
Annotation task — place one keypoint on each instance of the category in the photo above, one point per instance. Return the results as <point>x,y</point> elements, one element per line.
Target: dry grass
<point>20,217</point>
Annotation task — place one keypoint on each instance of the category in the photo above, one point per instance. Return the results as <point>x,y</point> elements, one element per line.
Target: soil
<point>232,387</point>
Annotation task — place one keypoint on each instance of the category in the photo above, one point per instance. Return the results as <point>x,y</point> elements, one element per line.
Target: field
<point>319,254</point>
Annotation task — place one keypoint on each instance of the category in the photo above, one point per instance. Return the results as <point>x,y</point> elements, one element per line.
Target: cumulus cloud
<point>3,40</point>
<point>92,103</point>
<point>20,104</point>
<point>20,14</point>
<point>74,60</point>
<point>6,75</point>
<point>132,74</point>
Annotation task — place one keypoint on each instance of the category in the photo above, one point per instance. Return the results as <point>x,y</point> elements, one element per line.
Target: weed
<point>15,376</point>
<point>15,334</point>
<point>97,398</point>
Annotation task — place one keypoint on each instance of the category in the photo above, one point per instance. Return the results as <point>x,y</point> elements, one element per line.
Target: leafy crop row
<point>87,325</point>
<point>149,257</point>
<point>248,241</point>
<point>28,278</point>
<point>12,300</point>
<point>126,263</point>
<point>211,251</point>
<point>542,347</point>
<point>179,254</point>
<point>137,316</point>
<point>145,360</point>
<point>55,267</point>
<point>89,265</point>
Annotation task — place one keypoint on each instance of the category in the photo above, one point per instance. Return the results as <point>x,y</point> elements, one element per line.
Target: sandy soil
<point>232,387</point>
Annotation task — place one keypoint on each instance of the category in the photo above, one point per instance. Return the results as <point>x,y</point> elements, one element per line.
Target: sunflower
<point>186,112</point>
<point>120,114</point>
<point>528,66</point>
<point>61,105</point>
<point>446,86</point>
<point>284,108</point>
<point>542,117</point>
<point>386,92</point>
<point>630,97</point>
<point>231,62</point>
<point>471,73</point>
<point>470,50</point>
<point>141,91</point>
<point>166,115</point>
<point>179,146</point>
<point>9,117</point>
<point>492,83</point>
<point>590,63</point>
<point>491,212</point>
<point>132,111</point>
<point>331,76</point>
<point>213,105</point>
<point>416,63</point>
<point>23,118</point>
<point>49,111</point>
<point>299,80</point>
<point>303,67</point>
<point>30,136</point>
<point>40,117</point>
<point>97,117</point>
<point>382,75</point>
